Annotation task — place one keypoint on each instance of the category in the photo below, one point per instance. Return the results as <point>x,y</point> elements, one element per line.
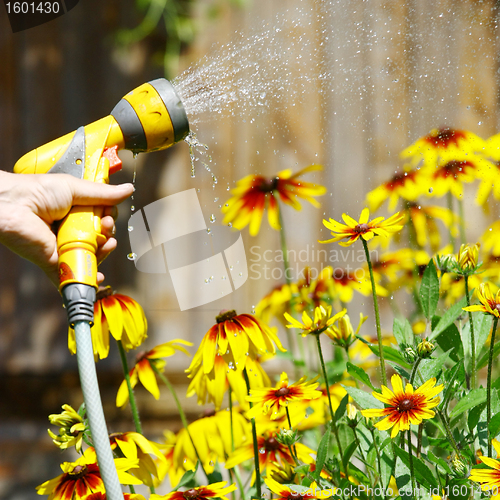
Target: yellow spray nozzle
<point>149,118</point>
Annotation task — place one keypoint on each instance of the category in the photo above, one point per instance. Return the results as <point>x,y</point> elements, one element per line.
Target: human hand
<point>30,204</point>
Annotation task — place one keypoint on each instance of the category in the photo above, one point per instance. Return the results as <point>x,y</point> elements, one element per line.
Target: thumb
<point>93,193</point>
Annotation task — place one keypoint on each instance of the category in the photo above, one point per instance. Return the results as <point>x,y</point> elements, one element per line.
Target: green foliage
<point>429,290</point>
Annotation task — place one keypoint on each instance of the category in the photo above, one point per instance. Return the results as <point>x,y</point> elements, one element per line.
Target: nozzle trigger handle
<point>115,164</point>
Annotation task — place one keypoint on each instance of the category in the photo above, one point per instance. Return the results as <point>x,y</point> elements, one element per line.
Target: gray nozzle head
<point>79,301</point>
<point>174,107</point>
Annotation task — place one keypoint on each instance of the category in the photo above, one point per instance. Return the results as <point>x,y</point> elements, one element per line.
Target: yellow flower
<point>450,175</point>
<point>323,320</point>
<point>270,451</point>
<point>488,478</point>
<point>452,286</point>
<point>214,490</point>
<point>211,387</point>
<point>81,478</point>
<point>364,228</point>
<point>344,334</point>
<point>491,241</point>
<point>275,303</point>
<point>406,185</point>
<point>254,193</point>
<point>71,428</point>
<point>424,219</point>
<point>212,438</point>
<point>467,258</point>
<point>490,303</point>
<point>443,145</point>
<point>143,371</point>
<point>284,492</point>
<point>126,496</point>
<point>135,446</point>
<point>406,406</point>
<point>352,411</point>
<point>118,314</point>
<point>274,398</point>
<point>239,337</point>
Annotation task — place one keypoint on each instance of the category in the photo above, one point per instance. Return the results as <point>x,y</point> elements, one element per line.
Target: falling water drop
<point>132,256</point>
<point>130,228</point>
<point>212,218</point>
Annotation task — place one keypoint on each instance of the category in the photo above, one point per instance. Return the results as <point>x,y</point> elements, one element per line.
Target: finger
<point>111,211</point>
<point>100,277</point>
<point>93,193</point>
<point>105,249</point>
<point>108,226</point>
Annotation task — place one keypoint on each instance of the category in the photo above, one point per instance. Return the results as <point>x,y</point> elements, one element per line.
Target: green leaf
<point>448,318</point>
<point>439,461</point>
<point>359,374</point>
<point>449,339</point>
<point>349,451</point>
<point>494,425</point>
<point>390,353</point>
<point>386,465</point>
<point>363,399</point>
<point>429,290</point>
<point>423,474</point>
<point>322,452</point>
<point>188,477</point>
<point>483,361</point>
<point>430,368</point>
<point>474,398</point>
<point>403,332</point>
<point>339,412</point>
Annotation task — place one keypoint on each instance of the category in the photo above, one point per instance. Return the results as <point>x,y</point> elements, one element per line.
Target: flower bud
<point>467,259</point>
<point>282,472</point>
<point>410,354</point>
<point>352,414</point>
<point>425,349</point>
<point>288,437</point>
<point>459,466</point>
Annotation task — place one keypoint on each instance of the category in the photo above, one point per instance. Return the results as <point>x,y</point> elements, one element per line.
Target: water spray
<point>149,118</point>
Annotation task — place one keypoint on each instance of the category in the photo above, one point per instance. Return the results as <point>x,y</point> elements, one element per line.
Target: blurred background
<point>346,84</point>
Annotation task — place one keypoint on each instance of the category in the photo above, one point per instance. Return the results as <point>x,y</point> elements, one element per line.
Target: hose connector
<point>79,302</point>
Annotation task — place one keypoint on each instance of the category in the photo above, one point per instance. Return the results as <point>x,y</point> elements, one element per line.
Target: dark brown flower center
<point>79,471</point>
<point>225,315</point>
<point>406,405</point>
<point>271,444</point>
<point>269,185</point>
<point>452,169</point>
<point>104,292</point>
<point>361,228</point>
<point>191,494</point>
<point>445,137</point>
<point>282,391</point>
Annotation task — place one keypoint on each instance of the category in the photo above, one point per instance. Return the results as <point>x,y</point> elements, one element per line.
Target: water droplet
<point>130,228</point>
<point>431,190</point>
<point>132,208</point>
<point>135,155</point>
<point>253,310</point>
<point>132,256</point>
<point>230,224</point>
<point>262,451</point>
<point>208,230</point>
<point>216,199</point>
<point>212,218</point>
<point>211,463</point>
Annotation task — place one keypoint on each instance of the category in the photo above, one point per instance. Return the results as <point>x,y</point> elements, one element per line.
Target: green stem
<point>284,247</point>
<point>419,439</point>
<point>449,434</point>
<point>461,214</point>
<point>377,315</point>
<point>334,424</point>
<point>131,396</point>
<point>488,383</point>
<point>449,200</point>
<point>255,443</point>
<point>414,370</point>
<point>184,421</point>
<point>236,471</point>
<point>410,458</point>
<point>472,339</point>
<point>377,451</point>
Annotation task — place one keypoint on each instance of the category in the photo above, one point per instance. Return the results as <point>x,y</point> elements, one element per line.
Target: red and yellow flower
<point>81,478</point>
<point>322,321</point>
<point>254,193</point>
<point>119,315</point>
<point>276,398</point>
<point>143,371</point>
<point>443,145</point>
<point>215,490</point>
<point>406,185</point>
<point>488,478</point>
<point>363,228</point>
<point>135,446</point>
<point>270,451</point>
<point>284,492</point>
<point>490,303</point>
<point>71,428</point>
<point>406,406</point>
